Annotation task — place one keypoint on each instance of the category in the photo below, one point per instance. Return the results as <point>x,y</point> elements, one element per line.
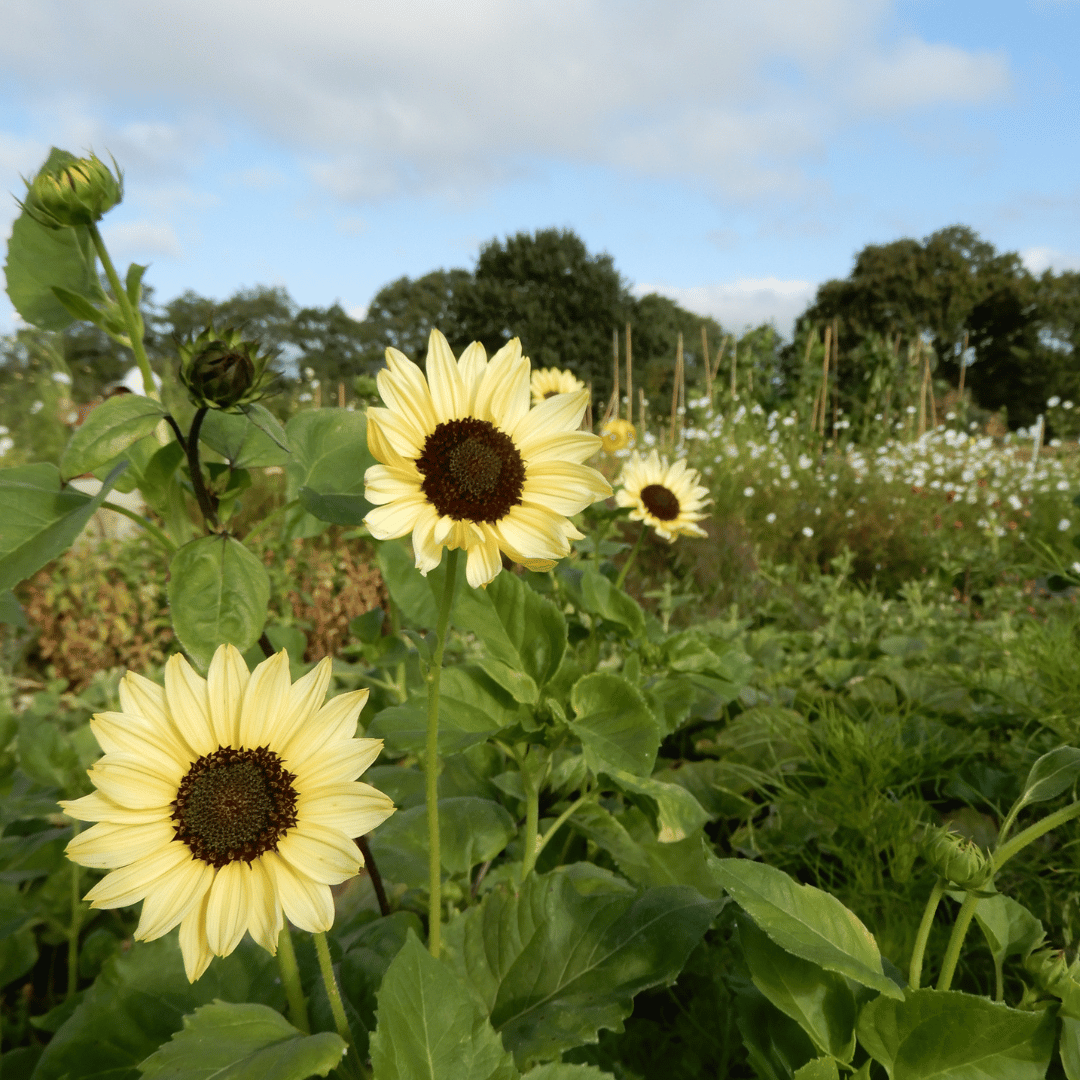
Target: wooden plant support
<point>734,365</point>
<point>705,357</point>
<point>819,420</point>
<point>836,375</point>
<point>629,378</point>
<point>675,388</point>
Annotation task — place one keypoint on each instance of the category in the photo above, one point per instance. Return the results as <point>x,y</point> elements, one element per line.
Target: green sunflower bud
<point>70,191</point>
<point>955,858</point>
<point>1049,970</point>
<point>221,370</point>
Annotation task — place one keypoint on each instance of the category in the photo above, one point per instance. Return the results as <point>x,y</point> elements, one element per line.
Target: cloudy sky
<point>731,154</point>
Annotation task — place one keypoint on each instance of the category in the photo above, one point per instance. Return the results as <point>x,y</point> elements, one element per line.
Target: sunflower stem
<point>431,760</point>
<point>341,1022</point>
<point>76,923</point>
<point>630,558</point>
<point>207,502</point>
<point>290,977</point>
<point>921,938</point>
<point>128,312</point>
<point>956,940</point>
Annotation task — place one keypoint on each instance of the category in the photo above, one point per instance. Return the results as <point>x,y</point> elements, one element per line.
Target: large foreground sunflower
<point>465,463</point>
<point>549,381</point>
<point>666,497</point>
<point>223,802</point>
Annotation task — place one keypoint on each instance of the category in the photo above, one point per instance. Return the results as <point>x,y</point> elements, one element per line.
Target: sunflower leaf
<point>429,1028</point>
<point>615,725</point>
<point>329,458</point>
<point>242,1042</point>
<point>110,429</point>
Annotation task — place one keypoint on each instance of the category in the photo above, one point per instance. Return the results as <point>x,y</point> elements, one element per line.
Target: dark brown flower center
<point>234,804</point>
<point>660,502</point>
<point>551,393</point>
<point>472,471</point>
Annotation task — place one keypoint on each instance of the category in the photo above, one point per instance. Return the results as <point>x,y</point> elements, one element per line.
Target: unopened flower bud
<point>222,371</point>
<point>618,434</point>
<point>955,858</point>
<point>70,191</point>
<point>1048,968</point>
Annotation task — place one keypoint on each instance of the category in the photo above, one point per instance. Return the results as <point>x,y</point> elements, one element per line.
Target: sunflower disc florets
<point>70,191</point>
<point>221,370</point>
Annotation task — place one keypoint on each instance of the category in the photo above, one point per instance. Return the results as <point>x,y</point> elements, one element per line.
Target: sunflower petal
<point>397,518</point>
<point>131,883</point>
<point>133,782</point>
<point>335,722</point>
<point>172,897</point>
<point>189,704</point>
<point>266,920</point>
<point>99,807</point>
<point>337,762</point>
<point>321,854</point>
<point>193,944</point>
<point>108,845</point>
<point>484,562</point>
<point>141,697</point>
<point>449,394</point>
<point>226,682</point>
<point>305,697</point>
<point>307,904</point>
<point>229,907</point>
<point>265,699</point>
<point>353,809</point>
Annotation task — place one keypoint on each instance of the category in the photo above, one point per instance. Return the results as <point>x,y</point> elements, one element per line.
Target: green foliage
<point>108,431</point>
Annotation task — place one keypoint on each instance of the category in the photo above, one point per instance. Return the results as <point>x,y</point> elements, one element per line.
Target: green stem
<point>561,820</point>
<point>956,940</point>
<point>1033,832</point>
<point>630,558</point>
<point>431,760</point>
<point>148,525</point>
<point>921,938</point>
<point>530,847</point>
<point>341,1022</point>
<point>207,502</point>
<point>121,295</point>
<point>290,978</point>
<point>76,923</point>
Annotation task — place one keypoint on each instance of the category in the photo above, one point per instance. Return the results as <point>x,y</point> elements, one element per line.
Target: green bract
<point>1048,969</point>
<point>221,370</point>
<point>70,191</point>
<point>955,858</point>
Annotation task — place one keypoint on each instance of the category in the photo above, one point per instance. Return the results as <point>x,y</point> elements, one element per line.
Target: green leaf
<point>11,611</point>
<point>240,442</point>
<point>471,708</point>
<point>818,1069</point>
<point>1009,927</point>
<point>806,921</point>
<point>674,811</point>
<point>517,684</point>
<point>408,587</point>
<point>616,727</point>
<point>1051,775</point>
<point>336,509</point>
<point>218,593</point>
<point>519,628</point>
<point>79,307</point>
<point>602,598</point>
<point>133,284</point>
<point>242,1042</point>
<point>18,954</point>
<point>948,1034</point>
<point>108,431</point>
<point>159,472</point>
<point>553,966</point>
<point>775,1045</point>
<point>140,999</point>
<point>559,1070</point>
<point>471,831</point>
<point>38,520</point>
<point>267,423</point>
<point>819,1001</point>
<point>429,1028</point>
<point>1069,1047</point>
<point>329,455</point>
<point>39,258</point>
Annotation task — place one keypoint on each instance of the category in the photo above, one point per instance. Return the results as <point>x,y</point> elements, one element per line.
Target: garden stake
<point>734,361</point>
<point>675,386</point>
<point>705,356</point>
<point>820,422</point>
<point>629,379</point>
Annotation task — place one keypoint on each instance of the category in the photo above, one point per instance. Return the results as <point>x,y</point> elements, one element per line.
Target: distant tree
<point>332,343</point>
<point>265,313</point>
<point>404,312</point>
<point>546,288</point>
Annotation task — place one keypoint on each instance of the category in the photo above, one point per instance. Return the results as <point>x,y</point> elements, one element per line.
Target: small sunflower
<point>549,381</point>
<point>465,463</point>
<point>667,497</point>
<point>618,435</point>
<point>223,802</point>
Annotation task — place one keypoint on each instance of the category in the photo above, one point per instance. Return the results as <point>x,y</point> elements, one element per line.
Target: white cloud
<point>742,304</point>
<point>380,99</point>
<point>141,239</point>
<point>1038,259</point>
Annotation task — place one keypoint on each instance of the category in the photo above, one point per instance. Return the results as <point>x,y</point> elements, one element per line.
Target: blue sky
<point>730,154</point>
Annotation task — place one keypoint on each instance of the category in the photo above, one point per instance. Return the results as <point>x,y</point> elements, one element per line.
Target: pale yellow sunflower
<point>223,802</point>
<point>667,497</point>
<point>618,435</point>
<point>465,463</point>
<point>549,381</point>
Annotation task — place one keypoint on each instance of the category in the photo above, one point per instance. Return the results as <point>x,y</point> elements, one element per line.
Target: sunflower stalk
<point>921,938</point>
<point>630,558</point>
<point>290,979</point>
<point>431,759</point>
<point>76,922</point>
<point>207,502</point>
<point>337,1007</point>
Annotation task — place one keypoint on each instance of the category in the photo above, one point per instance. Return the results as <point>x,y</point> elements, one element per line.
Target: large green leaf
<point>218,592</point>
<point>674,811</point>
<point>1069,1047</point>
<point>471,831</point>
<point>819,1001</point>
<point>39,258</point>
<point>409,589</point>
<point>108,431</point>
<point>38,519</point>
<point>239,441</point>
<point>430,1028</point>
<point>806,921</point>
<point>553,966</point>
<point>329,458</point>
<point>471,708</point>
<point>519,628</point>
<point>139,1000</point>
<point>947,1035</point>
<point>601,597</point>
<point>616,727</point>
<point>1053,774</point>
<point>242,1042</point>
<point>1010,929</point>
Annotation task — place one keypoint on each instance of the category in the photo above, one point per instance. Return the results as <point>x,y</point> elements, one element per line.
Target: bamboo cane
<point>629,379</point>
<point>820,420</point>
<point>675,387</point>
<point>922,388</point>
<point>341,395</point>
<point>719,357</point>
<point>705,356</point>
<point>963,368</point>
<point>734,365</point>
<point>615,365</point>
<point>836,375</point>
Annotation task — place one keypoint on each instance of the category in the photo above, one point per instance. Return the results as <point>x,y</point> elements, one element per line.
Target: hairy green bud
<point>1049,970</point>
<point>955,858</point>
<point>70,191</point>
<point>221,370</point>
